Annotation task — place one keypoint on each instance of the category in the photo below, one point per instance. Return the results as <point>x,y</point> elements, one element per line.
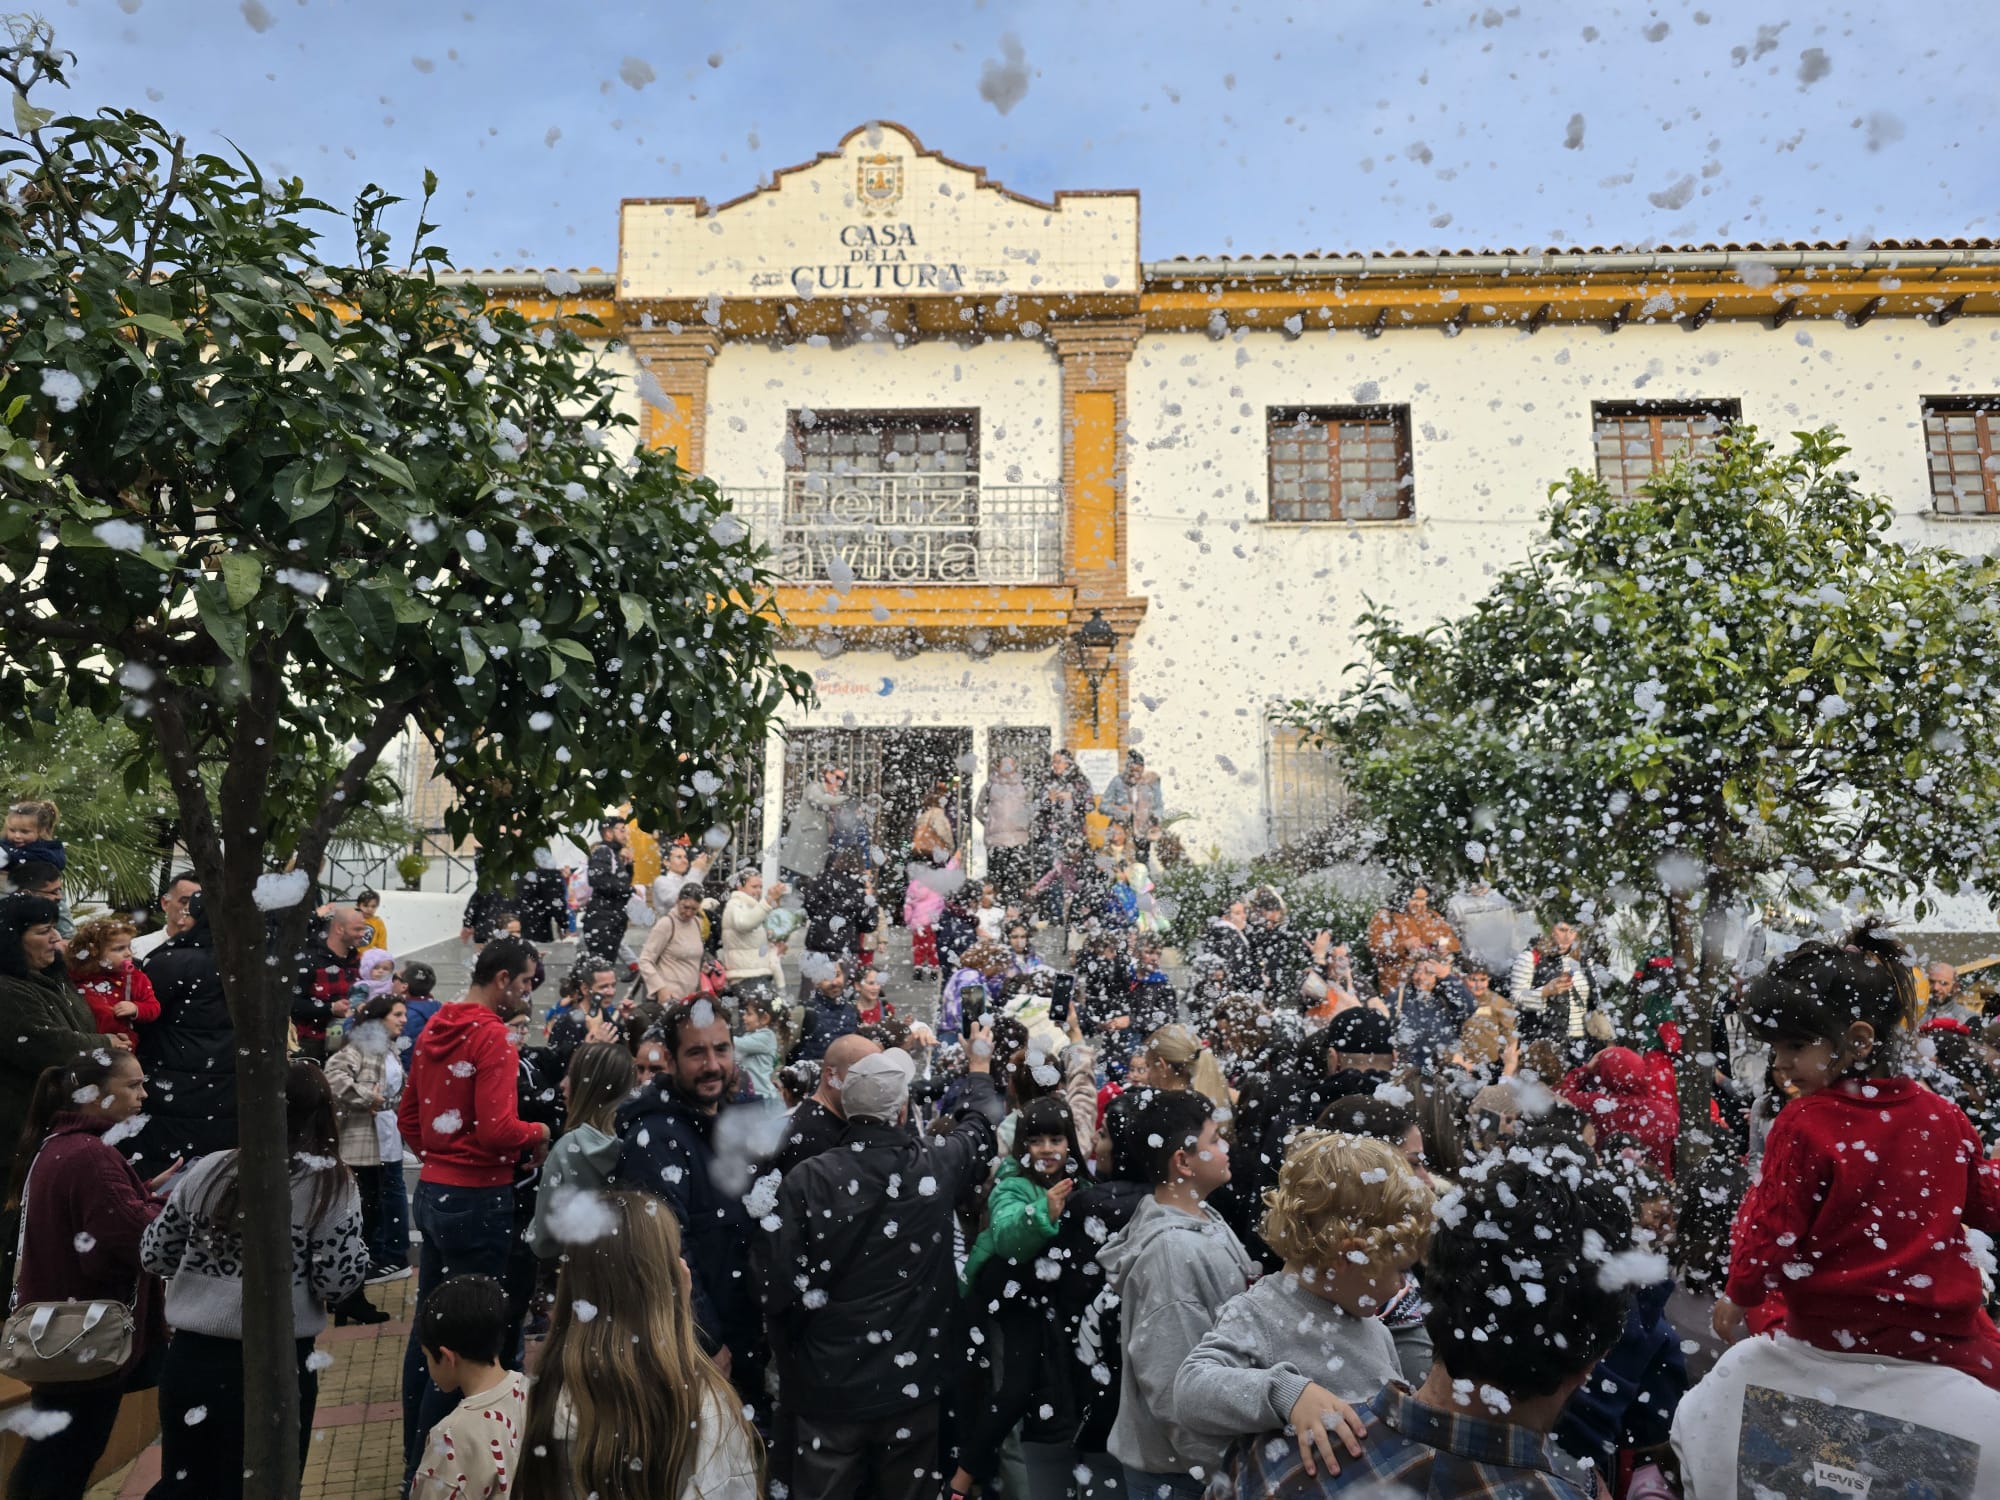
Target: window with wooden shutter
<point>1959,433</point>
<point>1635,439</point>
<point>1340,463</point>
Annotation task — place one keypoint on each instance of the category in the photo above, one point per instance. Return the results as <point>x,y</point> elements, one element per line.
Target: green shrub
<point>1342,902</point>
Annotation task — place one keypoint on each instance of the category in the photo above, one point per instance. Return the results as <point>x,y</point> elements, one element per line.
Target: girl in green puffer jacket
<point>1008,1286</point>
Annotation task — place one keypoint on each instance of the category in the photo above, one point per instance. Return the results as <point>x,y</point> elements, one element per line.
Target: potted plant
<point>411,867</point>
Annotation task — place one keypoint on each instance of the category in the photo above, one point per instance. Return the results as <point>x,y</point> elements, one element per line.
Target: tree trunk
<point>1691,1084</point>
<point>229,859</point>
<point>1704,975</point>
<point>259,1007</point>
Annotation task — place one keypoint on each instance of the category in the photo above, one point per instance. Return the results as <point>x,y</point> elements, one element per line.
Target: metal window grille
<point>888,770</point>
<point>1305,791</point>
<point>746,829</point>
<point>894,497</point>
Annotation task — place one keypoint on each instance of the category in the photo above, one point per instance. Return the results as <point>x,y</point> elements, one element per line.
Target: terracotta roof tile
<point>1747,247</point>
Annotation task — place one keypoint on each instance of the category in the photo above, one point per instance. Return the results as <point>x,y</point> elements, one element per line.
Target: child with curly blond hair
<point>118,991</point>
<point>1350,1218</point>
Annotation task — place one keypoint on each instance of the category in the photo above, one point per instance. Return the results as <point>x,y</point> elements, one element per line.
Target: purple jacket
<point>951,1008</point>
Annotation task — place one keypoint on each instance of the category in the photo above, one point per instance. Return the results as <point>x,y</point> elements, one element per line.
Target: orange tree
<point>278,511</point>
<point>1732,684</point>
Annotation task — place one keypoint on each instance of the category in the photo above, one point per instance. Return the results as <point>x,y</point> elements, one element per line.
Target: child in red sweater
<point>1853,1237</point>
<point>101,967</point>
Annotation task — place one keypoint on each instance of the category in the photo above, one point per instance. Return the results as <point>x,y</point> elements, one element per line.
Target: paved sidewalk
<point>357,1444</point>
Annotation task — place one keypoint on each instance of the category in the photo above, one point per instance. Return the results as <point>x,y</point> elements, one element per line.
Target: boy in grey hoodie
<point>1172,1268</point>
<point>1349,1218</point>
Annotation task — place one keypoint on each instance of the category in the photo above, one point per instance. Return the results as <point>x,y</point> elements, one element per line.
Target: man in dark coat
<point>1227,939</point>
<point>1066,800</point>
<point>190,1052</point>
<point>1351,1055</point>
<point>671,1130</point>
<point>864,1293</point>
<point>817,1124</point>
<point>541,898</point>
<point>604,917</point>
<point>485,910</point>
<point>1278,958</point>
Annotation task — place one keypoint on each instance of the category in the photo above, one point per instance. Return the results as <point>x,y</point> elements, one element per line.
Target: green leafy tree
<point>1732,685</point>
<point>273,509</point>
<point>120,832</point>
<point>115,839</point>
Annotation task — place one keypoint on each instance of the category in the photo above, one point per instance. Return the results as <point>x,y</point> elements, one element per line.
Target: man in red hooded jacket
<point>460,1114</point>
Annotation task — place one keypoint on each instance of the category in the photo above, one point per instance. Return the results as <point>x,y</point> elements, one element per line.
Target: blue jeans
<point>464,1230</point>
<point>391,1245</point>
<point>1139,1485</point>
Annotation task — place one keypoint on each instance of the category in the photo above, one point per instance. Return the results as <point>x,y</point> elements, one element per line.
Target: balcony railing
<point>906,528</point>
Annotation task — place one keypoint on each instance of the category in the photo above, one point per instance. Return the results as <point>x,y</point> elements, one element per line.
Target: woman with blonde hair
<point>621,1377</point>
<point>1174,1059</point>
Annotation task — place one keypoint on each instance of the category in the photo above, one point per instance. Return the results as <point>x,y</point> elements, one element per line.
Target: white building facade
<point>967,423</point>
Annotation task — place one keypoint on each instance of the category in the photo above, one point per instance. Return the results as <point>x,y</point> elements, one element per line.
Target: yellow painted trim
<point>1094,526</point>
<point>675,430</point>
<point>1385,301</point>
<point>538,307</point>
<point>928,607</point>
<point>793,318</point>
<point>1110,694</point>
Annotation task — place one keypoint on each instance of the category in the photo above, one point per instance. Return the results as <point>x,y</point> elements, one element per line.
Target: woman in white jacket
<point>622,1375</point>
<point>748,956</point>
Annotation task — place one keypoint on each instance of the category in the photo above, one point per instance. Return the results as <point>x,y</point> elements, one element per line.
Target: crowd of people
<point>753,1210</point>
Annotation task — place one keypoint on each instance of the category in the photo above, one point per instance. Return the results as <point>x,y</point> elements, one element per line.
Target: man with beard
<point>670,1132</point>
<point>326,978</point>
<point>461,1114</point>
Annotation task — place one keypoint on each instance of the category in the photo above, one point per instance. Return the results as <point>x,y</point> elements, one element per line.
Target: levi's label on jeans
<point>1796,1448</point>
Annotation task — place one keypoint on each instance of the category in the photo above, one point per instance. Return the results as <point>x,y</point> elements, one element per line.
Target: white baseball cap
<point>878,1086</point>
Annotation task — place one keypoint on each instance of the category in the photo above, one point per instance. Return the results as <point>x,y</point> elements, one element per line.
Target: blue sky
<point>1338,126</point>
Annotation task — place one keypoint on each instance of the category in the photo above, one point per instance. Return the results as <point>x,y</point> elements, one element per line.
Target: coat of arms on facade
<point>879,185</point>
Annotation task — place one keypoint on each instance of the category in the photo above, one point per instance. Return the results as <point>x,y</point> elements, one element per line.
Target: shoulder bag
<point>58,1343</point>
